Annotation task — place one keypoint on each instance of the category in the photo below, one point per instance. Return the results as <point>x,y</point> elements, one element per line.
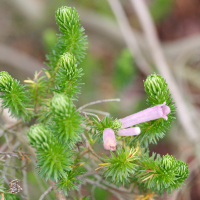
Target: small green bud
<point>182,170</point>
<point>156,89</point>
<point>5,81</point>
<point>67,18</point>
<point>153,77</point>
<point>38,136</point>
<point>154,83</point>
<point>62,106</point>
<point>168,162</point>
<point>68,64</point>
<point>116,125</point>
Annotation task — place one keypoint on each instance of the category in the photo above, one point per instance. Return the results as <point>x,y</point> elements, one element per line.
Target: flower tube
<point>129,131</point>
<point>159,111</point>
<point>109,140</point>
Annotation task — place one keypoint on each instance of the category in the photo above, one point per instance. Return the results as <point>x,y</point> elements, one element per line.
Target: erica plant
<point>63,135</point>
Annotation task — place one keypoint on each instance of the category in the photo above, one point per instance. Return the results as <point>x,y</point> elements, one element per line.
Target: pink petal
<point>109,140</point>
<point>159,111</point>
<point>129,131</point>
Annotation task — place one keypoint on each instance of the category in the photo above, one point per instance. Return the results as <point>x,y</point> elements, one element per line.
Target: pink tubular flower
<point>159,111</point>
<point>109,140</point>
<point>129,131</point>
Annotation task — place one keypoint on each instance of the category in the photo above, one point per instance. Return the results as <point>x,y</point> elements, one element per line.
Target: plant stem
<point>90,148</point>
<point>96,102</point>
<point>45,193</point>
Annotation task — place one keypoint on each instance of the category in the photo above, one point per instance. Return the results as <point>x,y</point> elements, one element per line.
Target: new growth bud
<point>116,125</point>
<point>5,81</point>
<point>38,136</point>
<point>68,64</point>
<point>159,111</point>
<point>62,105</point>
<point>109,140</point>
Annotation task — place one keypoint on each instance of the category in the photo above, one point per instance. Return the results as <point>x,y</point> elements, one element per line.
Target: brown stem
<point>96,102</point>
<point>90,148</point>
<point>60,195</point>
<point>15,124</point>
<point>45,193</point>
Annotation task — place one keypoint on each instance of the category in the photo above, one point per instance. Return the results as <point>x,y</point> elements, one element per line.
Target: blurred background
<point>117,63</point>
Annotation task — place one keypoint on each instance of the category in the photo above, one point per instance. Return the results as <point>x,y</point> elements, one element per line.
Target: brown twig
<point>60,194</point>
<point>14,125</point>
<point>97,111</point>
<point>24,182</point>
<point>83,153</point>
<point>108,184</point>
<point>15,154</point>
<point>99,25</point>
<point>45,193</point>
<point>86,113</point>
<point>129,37</point>
<point>96,102</point>
<point>90,148</point>
<point>21,168</point>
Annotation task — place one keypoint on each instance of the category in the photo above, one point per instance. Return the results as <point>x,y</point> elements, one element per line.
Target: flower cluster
<point>156,112</point>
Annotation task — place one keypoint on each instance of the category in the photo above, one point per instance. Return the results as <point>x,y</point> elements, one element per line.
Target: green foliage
<point>74,38</point>
<point>69,182</point>
<point>151,132</point>
<point>38,136</point>
<point>54,159</point>
<point>156,89</point>
<point>45,113</point>
<point>120,166</point>
<point>6,81</point>
<point>66,120</point>
<point>71,41</point>
<point>59,116</point>
<point>60,131</point>
<point>68,76</point>
<point>161,174</point>
<point>56,138</point>
<point>14,97</point>
<point>99,127</point>
<point>9,196</point>
<point>62,106</point>
<point>37,90</point>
